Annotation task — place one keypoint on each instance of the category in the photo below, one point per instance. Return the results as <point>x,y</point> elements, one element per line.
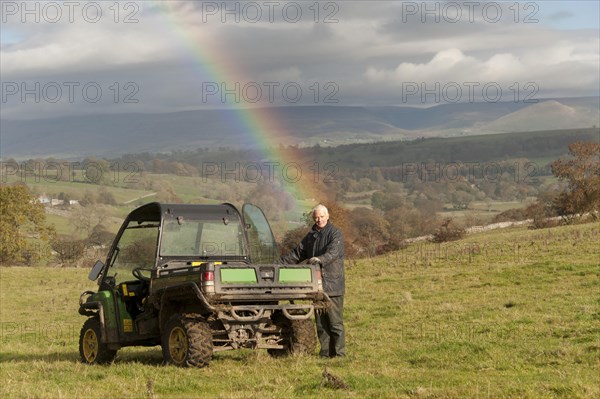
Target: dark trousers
<point>330,329</point>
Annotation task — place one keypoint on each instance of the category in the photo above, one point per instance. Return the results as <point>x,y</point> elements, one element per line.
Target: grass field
<point>197,190</point>
<point>510,314</point>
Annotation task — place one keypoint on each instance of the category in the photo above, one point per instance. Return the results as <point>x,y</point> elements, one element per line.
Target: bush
<point>511,215</point>
<point>100,235</point>
<point>542,216</point>
<point>449,231</point>
<point>292,238</point>
<point>582,173</point>
<point>68,252</point>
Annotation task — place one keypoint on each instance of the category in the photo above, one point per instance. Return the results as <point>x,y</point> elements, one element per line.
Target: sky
<point>99,57</point>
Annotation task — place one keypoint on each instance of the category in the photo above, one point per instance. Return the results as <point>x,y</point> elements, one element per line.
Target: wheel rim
<point>90,346</point>
<point>178,345</point>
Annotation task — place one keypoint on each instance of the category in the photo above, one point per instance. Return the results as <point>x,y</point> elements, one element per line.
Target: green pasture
<point>503,314</point>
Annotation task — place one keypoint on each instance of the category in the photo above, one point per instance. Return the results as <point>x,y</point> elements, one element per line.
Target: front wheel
<point>187,342</point>
<point>91,348</point>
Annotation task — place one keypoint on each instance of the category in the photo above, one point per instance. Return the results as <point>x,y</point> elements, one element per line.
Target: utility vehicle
<point>198,279</point>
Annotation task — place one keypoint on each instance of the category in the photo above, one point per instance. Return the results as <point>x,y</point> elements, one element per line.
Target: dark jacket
<point>328,246</point>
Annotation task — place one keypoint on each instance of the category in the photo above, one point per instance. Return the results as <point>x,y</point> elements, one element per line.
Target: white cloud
<point>369,52</point>
<point>557,66</point>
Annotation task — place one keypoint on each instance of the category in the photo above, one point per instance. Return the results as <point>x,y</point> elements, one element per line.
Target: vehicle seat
<point>134,295</point>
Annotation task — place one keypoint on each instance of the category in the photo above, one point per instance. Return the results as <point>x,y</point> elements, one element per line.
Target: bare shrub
<point>448,231</point>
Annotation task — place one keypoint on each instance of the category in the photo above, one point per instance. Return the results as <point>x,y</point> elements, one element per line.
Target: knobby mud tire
<point>299,335</point>
<point>91,349</point>
<point>304,337</point>
<point>187,342</point>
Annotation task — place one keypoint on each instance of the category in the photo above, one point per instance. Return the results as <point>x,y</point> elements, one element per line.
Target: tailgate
<point>270,281</point>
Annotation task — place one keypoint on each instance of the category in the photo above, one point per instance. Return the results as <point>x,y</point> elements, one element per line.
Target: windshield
<point>263,247</point>
<point>202,238</point>
<point>136,249</point>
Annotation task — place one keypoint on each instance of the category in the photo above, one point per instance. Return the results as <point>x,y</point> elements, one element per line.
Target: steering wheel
<point>138,273</point>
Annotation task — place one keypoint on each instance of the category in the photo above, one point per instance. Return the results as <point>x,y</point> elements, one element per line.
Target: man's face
<point>320,218</point>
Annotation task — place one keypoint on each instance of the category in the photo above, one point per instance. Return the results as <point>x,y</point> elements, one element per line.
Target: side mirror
<point>98,266</point>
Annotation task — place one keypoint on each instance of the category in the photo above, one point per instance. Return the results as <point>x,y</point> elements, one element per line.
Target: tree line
<point>394,211</point>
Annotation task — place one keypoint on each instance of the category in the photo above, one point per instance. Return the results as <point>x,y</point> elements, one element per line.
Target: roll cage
<point>245,237</point>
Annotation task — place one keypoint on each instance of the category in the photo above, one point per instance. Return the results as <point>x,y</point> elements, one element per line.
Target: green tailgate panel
<point>295,275</point>
<point>238,276</point>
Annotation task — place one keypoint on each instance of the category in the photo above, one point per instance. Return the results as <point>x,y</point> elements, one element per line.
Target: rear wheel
<point>91,348</point>
<point>304,337</point>
<point>187,342</point>
<point>298,335</point>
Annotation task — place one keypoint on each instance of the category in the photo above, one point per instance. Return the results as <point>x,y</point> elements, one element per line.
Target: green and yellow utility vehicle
<point>198,279</point>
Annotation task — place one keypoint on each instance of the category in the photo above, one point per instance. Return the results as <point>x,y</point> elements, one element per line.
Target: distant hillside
<point>548,115</point>
<point>549,144</point>
<point>113,135</point>
<point>540,146</point>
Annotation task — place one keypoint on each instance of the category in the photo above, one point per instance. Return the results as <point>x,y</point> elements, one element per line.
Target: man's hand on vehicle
<point>314,261</point>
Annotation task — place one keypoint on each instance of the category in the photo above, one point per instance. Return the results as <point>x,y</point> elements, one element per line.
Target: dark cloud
<point>365,51</point>
<point>561,15</point>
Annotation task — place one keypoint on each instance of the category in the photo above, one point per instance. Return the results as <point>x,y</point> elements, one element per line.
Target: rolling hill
<point>548,115</point>
<point>116,134</point>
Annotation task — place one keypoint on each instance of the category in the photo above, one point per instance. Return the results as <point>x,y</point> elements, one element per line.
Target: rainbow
<point>261,123</point>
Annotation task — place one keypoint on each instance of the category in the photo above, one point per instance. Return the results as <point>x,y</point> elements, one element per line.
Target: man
<point>324,245</point>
